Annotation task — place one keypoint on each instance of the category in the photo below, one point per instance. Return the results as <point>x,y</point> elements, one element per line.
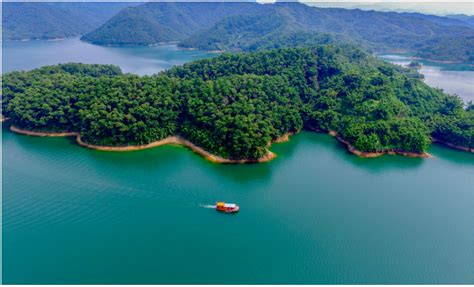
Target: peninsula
<point>230,108</point>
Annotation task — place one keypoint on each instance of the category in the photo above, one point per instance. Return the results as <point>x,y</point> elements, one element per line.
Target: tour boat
<point>227,207</point>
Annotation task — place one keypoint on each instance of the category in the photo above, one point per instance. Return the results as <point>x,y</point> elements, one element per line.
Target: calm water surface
<point>28,55</point>
<point>316,214</point>
<point>451,81</point>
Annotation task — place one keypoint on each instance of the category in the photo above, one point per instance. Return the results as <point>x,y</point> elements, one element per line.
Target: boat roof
<point>231,205</point>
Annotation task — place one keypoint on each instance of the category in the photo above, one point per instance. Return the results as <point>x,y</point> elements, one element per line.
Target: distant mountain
<point>255,32</point>
<point>427,36</point>
<point>48,20</point>
<point>464,18</point>
<point>164,22</point>
<point>251,26</point>
<point>454,20</point>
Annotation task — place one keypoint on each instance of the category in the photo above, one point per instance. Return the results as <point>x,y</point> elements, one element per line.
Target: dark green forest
<point>234,105</point>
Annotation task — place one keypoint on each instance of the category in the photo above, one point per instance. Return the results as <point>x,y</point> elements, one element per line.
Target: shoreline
<point>197,49</point>
<point>42,134</point>
<point>168,140</point>
<point>359,153</point>
<point>178,140</point>
<point>439,61</point>
<point>450,145</point>
<point>407,54</point>
<point>284,138</point>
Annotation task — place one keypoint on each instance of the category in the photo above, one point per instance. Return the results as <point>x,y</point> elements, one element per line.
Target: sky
<point>428,7</point>
<point>436,7</point>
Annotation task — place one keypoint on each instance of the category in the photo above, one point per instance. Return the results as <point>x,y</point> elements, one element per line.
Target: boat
<point>227,207</point>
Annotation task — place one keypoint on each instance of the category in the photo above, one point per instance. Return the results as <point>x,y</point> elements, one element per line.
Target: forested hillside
<point>234,105</point>
<point>36,20</point>
<point>375,30</point>
<point>246,26</point>
<point>164,22</point>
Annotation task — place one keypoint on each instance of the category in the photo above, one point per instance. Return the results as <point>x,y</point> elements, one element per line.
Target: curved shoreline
<point>218,159</point>
<point>284,138</point>
<point>357,152</point>
<point>456,147</point>
<point>42,134</point>
<point>168,140</point>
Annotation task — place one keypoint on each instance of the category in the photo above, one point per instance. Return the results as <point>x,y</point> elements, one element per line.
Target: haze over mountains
<point>48,20</point>
<point>245,27</point>
<point>445,8</point>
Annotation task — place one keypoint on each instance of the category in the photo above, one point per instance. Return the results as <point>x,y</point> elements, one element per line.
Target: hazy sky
<point>428,7</point>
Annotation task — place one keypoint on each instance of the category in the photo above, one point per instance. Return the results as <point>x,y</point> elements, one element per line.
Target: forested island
<point>233,106</point>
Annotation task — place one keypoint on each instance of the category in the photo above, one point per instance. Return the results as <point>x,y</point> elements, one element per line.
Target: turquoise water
<point>316,214</point>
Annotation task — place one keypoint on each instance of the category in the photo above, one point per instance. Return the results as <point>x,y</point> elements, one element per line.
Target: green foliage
<point>235,104</point>
<point>238,116</point>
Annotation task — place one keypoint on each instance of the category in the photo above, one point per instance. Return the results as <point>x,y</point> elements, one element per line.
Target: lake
<point>453,81</point>
<point>315,214</point>
<point>18,55</point>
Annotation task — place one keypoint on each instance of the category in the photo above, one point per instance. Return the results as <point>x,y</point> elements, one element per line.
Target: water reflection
<point>452,156</point>
<point>373,165</point>
<point>244,173</point>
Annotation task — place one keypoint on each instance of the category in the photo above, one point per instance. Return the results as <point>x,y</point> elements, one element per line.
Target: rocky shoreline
<point>218,159</point>
<point>357,152</point>
<point>168,140</point>
<point>461,148</point>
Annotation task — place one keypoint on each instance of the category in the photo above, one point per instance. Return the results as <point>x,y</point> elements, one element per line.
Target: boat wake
<point>208,206</point>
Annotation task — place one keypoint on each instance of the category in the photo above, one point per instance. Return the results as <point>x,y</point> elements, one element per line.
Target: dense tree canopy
<point>235,104</point>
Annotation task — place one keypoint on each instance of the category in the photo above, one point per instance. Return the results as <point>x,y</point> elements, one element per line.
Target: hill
<point>377,31</point>
<point>246,26</point>
<point>35,20</point>
<point>234,105</point>
<point>153,23</point>
<point>469,20</point>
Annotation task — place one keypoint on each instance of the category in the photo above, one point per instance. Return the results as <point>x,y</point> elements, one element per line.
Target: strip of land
<point>453,146</point>
<point>168,140</point>
<point>218,159</point>
<point>378,153</point>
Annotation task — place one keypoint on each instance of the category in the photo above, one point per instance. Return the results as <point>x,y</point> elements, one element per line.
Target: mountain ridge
<point>380,31</point>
